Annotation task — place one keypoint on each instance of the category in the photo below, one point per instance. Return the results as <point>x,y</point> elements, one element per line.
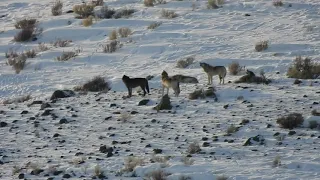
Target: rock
<point>157,151</point>
<point>148,145</point>
<point>44,106</point>
<point>247,15</point>
<point>226,106</point>
<point>24,112</point>
<point>256,140</point>
<point>36,171</point>
<point>291,133</point>
<point>107,118</point>
<point>56,173</point>
<point>297,81</point>
<point>164,104</point>
<point>56,135</point>
<point>105,149</point>
<point>36,102</point>
<point>110,154</point>
<point>134,112</point>
<point>67,176</point>
<point>204,139</point>
<point>143,102</point>
<point>62,94</point>
<point>21,176</point>
<point>63,121</point>
<point>3,124</point>
<point>244,122</point>
<point>113,105</point>
<point>205,144</point>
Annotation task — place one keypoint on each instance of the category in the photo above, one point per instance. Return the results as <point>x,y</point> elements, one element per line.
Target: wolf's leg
<point>220,77</point>
<point>208,79</point>
<point>144,90</point>
<point>162,90</point>
<point>130,92</point>
<point>168,91</point>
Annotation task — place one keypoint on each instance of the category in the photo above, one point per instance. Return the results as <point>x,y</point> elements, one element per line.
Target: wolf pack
<point>174,81</point>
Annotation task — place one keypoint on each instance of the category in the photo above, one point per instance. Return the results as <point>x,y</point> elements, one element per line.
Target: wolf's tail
<point>147,87</point>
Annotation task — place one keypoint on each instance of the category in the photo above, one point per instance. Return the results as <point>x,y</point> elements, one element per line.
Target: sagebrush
<point>184,63</point>
<point>304,68</point>
<point>290,121</point>
<point>56,8</point>
<point>261,46</point>
<point>83,10</point>
<point>234,68</point>
<point>168,14</point>
<point>97,84</point>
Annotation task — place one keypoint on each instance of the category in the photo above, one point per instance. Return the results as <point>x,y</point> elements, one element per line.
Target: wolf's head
<point>124,77</point>
<point>202,64</point>
<point>164,74</point>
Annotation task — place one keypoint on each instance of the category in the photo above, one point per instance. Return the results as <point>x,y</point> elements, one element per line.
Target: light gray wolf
<point>174,82</point>
<point>214,70</point>
<point>135,82</point>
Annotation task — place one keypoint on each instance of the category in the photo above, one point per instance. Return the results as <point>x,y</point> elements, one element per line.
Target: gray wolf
<point>135,82</point>
<point>221,71</point>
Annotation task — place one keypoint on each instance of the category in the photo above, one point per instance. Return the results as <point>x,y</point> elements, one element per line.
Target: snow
<point>217,37</point>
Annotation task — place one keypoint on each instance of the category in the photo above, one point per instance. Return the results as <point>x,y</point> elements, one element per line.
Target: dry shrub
<point>87,21</point>
<point>11,54</point>
<point>24,35</point>
<point>220,2</point>
<point>201,94</point>
<point>123,13</point>
<point>26,24</point>
<point>56,9</point>
<point>304,68</point>
<point>222,177</point>
<point>193,148</point>
<point>160,1</point>
<point>154,25</point>
<point>232,129</point>
<point>42,47</point>
<point>83,10</point>
<point>97,84</point>
<point>212,4</point>
<point>290,121</point>
<point>234,68</point>
<point>157,175</point>
<point>18,63</point>
<point>313,124</point>
<point>30,53</point>
<point>276,162</point>
<point>113,35</point>
<point>131,163</point>
<point>187,161</point>
<point>106,12</point>
<point>315,113</point>
<point>97,2</point>
<point>17,100</point>
<point>68,55</point>
<point>184,63</point>
<point>148,3</point>
<point>61,43</point>
<point>277,3</point>
<point>168,14</point>
<point>111,47</point>
<point>124,32</point>
<point>261,46</point>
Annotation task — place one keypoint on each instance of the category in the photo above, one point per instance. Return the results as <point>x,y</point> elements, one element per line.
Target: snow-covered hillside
<point>71,137</point>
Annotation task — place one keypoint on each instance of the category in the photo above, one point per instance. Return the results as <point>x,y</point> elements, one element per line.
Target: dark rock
<point>247,14</point>
<point>256,140</point>
<point>46,112</point>
<point>44,106</point>
<point>153,121</point>
<point>79,154</point>
<point>244,122</point>
<point>21,176</point>
<point>113,105</point>
<point>204,139</point>
<point>24,112</point>
<point>67,176</point>
<point>134,112</point>
<point>56,173</point>
<point>143,102</point>
<point>205,144</point>
<point>164,104</point>
<point>291,133</point>
<point>35,102</point>
<point>110,154</point>
<point>105,149</point>
<point>148,145</point>
<point>276,134</point>
<point>3,124</point>
<point>56,135</point>
<point>69,11</point>
<point>297,81</point>
<point>62,94</point>
<point>107,118</point>
<point>74,115</point>
<point>63,121</point>
<point>226,106</point>
<point>36,171</point>
<point>157,151</point>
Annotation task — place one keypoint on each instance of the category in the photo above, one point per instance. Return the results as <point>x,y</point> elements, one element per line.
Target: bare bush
<point>24,35</point>
<point>304,68</point>
<point>313,124</point>
<point>123,13</point>
<point>56,8</point>
<point>315,113</point>
<point>261,46</point>
<point>276,162</point>
<point>184,63</point>
<point>26,24</point>
<point>83,10</point>
<point>154,25</point>
<point>277,3</point>
<point>187,161</point>
<point>11,54</point>
<point>234,68</point>
<point>97,84</point>
<point>168,14</point>
<point>131,163</point>
<point>212,4</point>
<point>111,47</point>
<point>232,129</point>
<point>125,117</point>
<point>87,21</point>
<point>148,3</point>
<point>124,32</point>
<point>193,148</point>
<point>97,2</point>
<point>290,121</point>
<point>157,175</point>
<point>68,55</point>
<point>30,53</point>
<point>42,47</point>
<point>113,35</point>
<point>106,12</point>
<point>61,43</point>
<point>17,100</point>
<point>18,63</point>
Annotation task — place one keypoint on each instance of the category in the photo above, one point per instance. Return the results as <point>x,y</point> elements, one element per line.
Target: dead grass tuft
<point>234,68</point>
<point>97,84</point>
<point>124,32</point>
<point>111,47</point>
<point>83,10</point>
<point>61,43</point>
<point>193,148</point>
<point>131,163</point>
<point>157,175</point>
<point>56,8</point>
<point>18,63</point>
<point>154,25</point>
<point>184,63</point>
<point>290,121</point>
<point>26,24</point>
<point>261,46</point>
<point>168,14</point>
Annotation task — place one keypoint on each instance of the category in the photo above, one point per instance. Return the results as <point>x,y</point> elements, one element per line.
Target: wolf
<point>135,82</point>
<point>174,82</point>
<point>214,70</point>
